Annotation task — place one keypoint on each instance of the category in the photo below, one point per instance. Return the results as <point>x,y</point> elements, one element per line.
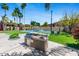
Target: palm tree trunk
<point>14,24</point>
<point>19,22</point>
<point>23,11</point>
<point>23,16</point>
<point>51,23</point>
<point>14,19</point>
<point>5,12</point>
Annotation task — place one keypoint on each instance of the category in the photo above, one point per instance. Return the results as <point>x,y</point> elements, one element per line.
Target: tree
<point>5,21</point>
<point>17,14</point>
<point>69,20</point>
<point>37,24</point>
<point>23,5</point>
<point>14,14</point>
<point>73,19</point>
<point>45,24</point>
<point>47,6</point>
<point>34,23</point>
<point>5,7</point>
<point>20,15</point>
<point>65,20</point>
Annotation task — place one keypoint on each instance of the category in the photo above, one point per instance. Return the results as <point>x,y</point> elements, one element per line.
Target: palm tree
<point>20,15</point>
<point>5,7</point>
<point>17,14</point>
<point>23,5</point>
<point>14,15</point>
<point>47,7</point>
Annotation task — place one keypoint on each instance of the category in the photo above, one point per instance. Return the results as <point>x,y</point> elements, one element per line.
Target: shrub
<point>14,35</point>
<point>75,32</point>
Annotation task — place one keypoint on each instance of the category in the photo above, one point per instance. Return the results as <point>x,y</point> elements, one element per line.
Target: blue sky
<point>37,12</point>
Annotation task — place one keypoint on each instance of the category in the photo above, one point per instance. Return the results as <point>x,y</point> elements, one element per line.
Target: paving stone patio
<point>14,48</point>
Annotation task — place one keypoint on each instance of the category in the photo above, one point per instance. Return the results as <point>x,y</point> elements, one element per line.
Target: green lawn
<point>11,32</point>
<point>62,38</point>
